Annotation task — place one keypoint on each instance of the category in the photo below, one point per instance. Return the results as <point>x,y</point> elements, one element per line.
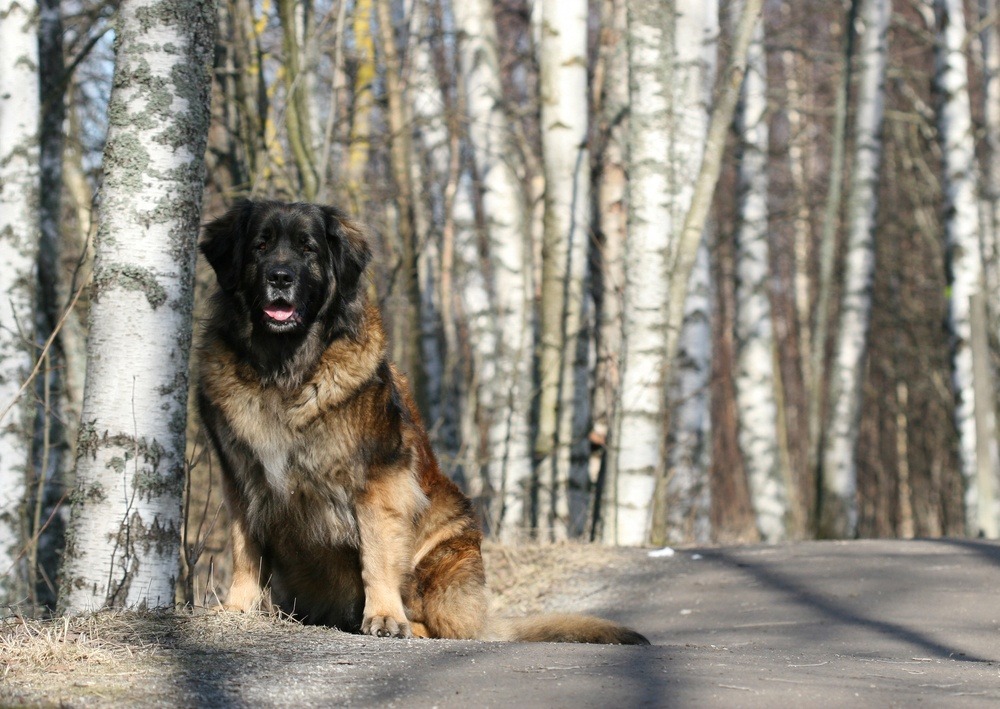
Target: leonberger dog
<point>340,515</point>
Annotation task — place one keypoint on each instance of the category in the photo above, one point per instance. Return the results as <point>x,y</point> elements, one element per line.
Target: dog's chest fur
<point>298,465</point>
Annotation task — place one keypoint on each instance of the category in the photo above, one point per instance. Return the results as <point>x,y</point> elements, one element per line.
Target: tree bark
<point>838,510</point>
<point>561,445</point>
<point>122,545</point>
<point>636,452</point>
<point>963,236</point>
<point>755,349</point>
<point>506,389</point>
<point>19,235</point>
<point>298,121</point>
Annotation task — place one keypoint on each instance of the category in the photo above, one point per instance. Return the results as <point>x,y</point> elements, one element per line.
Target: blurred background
<point>817,361</point>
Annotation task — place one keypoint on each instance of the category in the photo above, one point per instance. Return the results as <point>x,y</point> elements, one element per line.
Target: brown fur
<point>340,514</point>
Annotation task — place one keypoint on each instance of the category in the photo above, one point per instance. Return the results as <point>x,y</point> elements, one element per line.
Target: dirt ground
<point>877,623</point>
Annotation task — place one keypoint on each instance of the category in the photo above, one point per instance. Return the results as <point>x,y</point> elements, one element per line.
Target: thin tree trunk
<point>686,481</point>
<point>298,122</point>
<point>359,145</point>
<point>708,175</point>
<point>612,215</point>
<point>828,247</point>
<point>688,504</point>
<point>838,511</point>
<point>755,349</point>
<point>122,545</point>
<point>962,230</point>
<point>507,395</point>
<point>989,12</point>
<point>561,445</point>
<point>406,287</point>
<point>19,236</point>
<point>635,457</point>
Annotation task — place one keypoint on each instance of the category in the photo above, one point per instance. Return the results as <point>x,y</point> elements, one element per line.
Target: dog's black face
<point>286,271</point>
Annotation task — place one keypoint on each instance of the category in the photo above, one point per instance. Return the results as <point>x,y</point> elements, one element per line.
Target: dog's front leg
<point>246,591</point>
<point>387,512</point>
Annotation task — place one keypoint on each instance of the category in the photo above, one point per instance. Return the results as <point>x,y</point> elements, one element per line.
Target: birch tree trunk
<point>122,547</point>
<point>973,416</point>
<point>989,11</point>
<point>507,395</point>
<point>19,235</point>
<point>636,455</point>
<point>364,103</point>
<point>434,169</point>
<point>689,448</point>
<point>838,511</point>
<point>828,247</point>
<point>685,485</point>
<point>757,409</point>
<point>298,120</point>
<point>405,290</point>
<point>561,445</point>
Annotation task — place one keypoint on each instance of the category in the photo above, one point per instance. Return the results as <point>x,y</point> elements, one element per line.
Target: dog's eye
<point>262,246</point>
<point>308,248</point>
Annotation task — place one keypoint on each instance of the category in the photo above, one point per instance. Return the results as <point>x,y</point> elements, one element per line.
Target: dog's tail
<point>562,628</point>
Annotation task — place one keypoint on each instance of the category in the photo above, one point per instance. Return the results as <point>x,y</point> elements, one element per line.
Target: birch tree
<point>506,397</point>
<point>838,515</point>
<point>636,445</point>
<point>687,510</point>
<point>974,412</point>
<point>757,408</point>
<point>561,446</point>
<point>989,11</point>
<point>682,502</point>
<point>611,77</point>
<point>19,234</point>
<point>122,546</point>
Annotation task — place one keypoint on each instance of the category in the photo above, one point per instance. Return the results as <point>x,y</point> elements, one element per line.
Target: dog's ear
<point>222,243</point>
<point>350,249</point>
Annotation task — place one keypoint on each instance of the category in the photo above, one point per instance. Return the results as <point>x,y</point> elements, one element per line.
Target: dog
<point>340,515</point>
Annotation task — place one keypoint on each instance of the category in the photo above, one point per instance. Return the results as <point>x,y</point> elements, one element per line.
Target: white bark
<point>430,167</point>
<point>838,479</point>
<point>696,33</point>
<point>636,445</point>
<point>689,453</point>
<point>669,49</point>
<point>962,230</point>
<point>756,403</point>
<point>19,234</point>
<point>509,397</point>
<point>562,447</point>
<point>990,40</point>
<point>612,216</point>
<point>122,545</point>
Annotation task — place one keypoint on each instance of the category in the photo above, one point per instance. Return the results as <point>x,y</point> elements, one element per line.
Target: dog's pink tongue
<point>279,312</point>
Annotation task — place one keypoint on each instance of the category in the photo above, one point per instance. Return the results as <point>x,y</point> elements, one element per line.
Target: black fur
<point>275,257</point>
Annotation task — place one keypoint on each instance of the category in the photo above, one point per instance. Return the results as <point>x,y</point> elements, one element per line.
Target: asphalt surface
<point>865,624</point>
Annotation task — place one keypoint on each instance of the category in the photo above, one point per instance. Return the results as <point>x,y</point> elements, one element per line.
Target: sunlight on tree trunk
<point>838,514</point>
<point>19,235</point>
<point>755,354</point>
<point>507,388</point>
<point>962,228</point>
<point>122,545</point>
<point>561,445</point>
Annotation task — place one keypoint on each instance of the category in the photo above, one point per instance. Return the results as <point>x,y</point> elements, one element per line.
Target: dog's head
<point>288,266</point>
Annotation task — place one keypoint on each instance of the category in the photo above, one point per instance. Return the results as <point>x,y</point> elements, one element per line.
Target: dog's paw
<point>384,626</point>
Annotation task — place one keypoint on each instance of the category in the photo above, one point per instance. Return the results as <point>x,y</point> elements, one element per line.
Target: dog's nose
<point>280,277</point>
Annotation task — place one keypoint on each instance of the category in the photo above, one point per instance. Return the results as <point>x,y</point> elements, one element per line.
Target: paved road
<point>871,623</point>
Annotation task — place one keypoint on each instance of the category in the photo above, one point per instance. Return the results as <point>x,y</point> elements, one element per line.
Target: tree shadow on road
<point>840,613</point>
<point>988,550</point>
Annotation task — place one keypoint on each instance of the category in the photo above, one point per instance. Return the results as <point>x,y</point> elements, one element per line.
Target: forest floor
<point>868,623</point>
